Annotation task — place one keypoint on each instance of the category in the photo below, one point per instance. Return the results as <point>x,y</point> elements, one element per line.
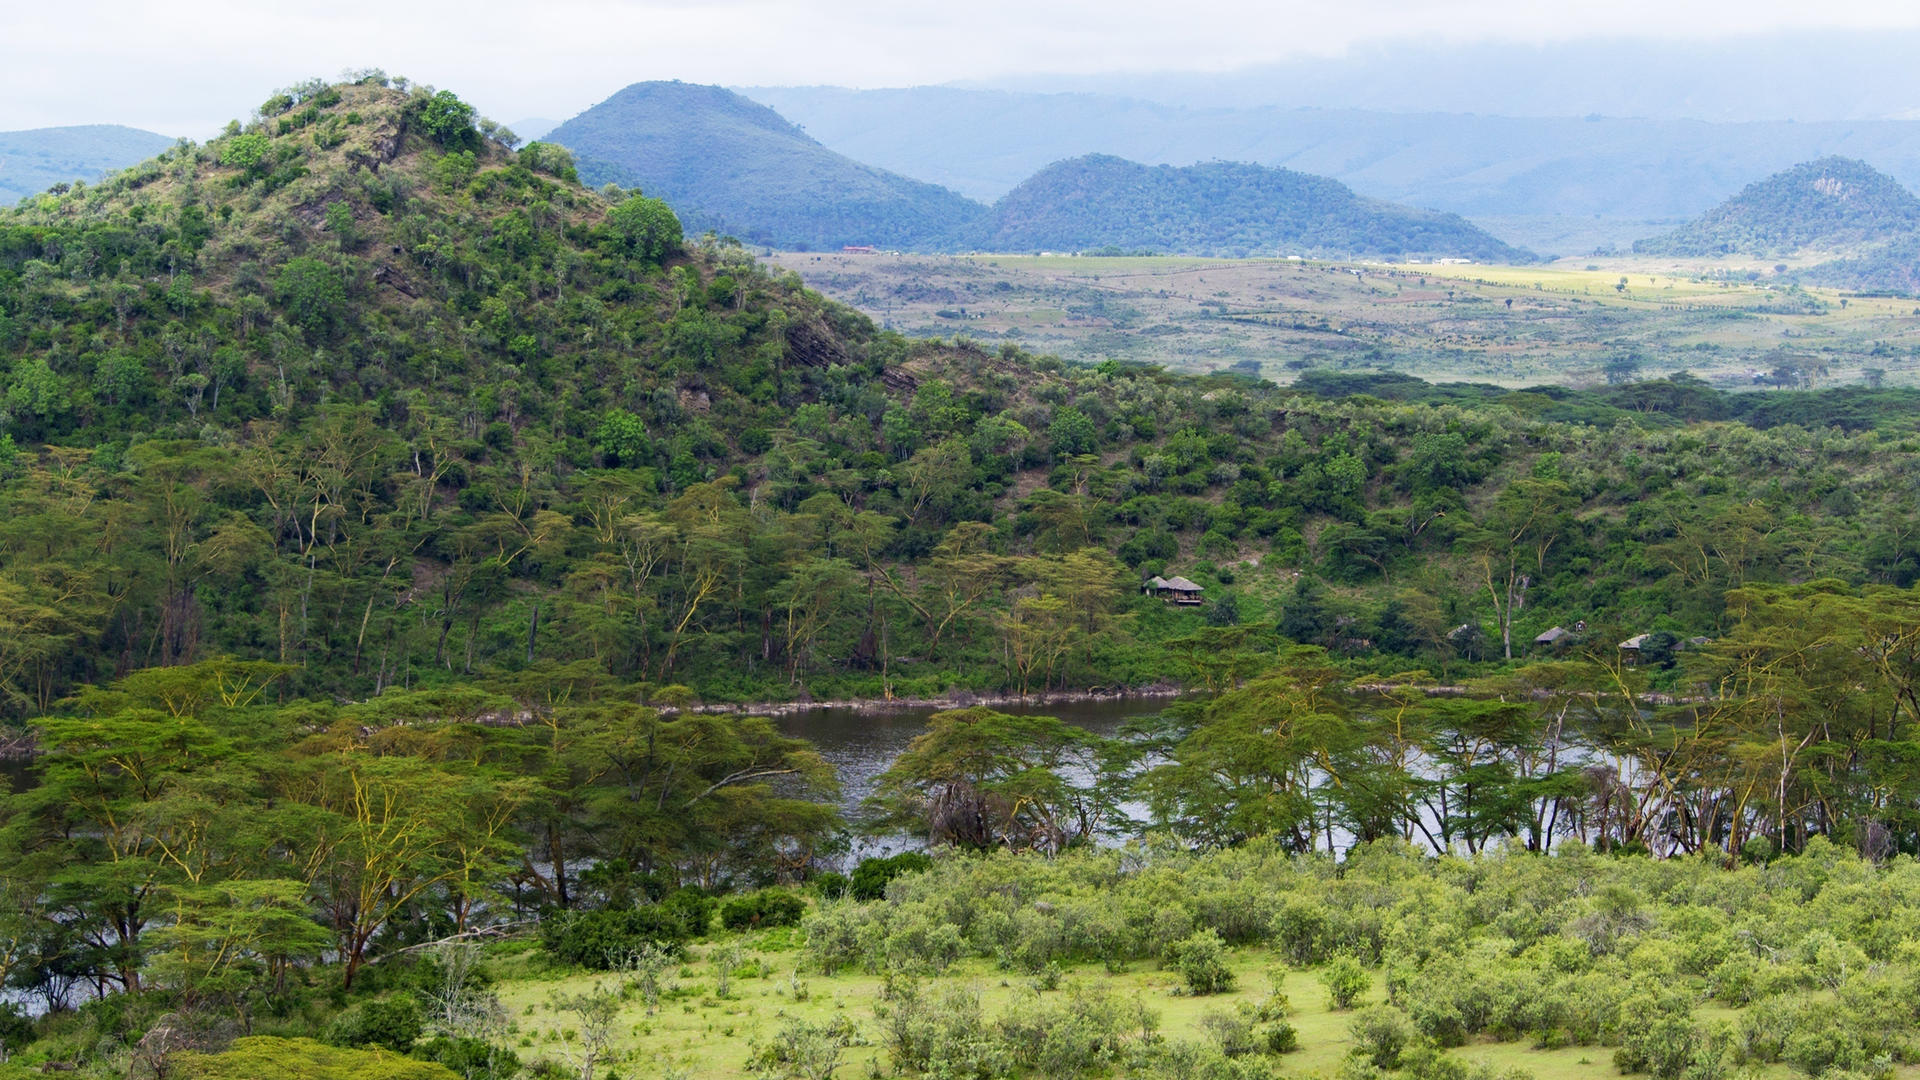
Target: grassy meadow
<point>698,1035</point>
<point>706,1037</point>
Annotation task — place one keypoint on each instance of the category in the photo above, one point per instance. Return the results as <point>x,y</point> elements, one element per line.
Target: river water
<point>861,743</point>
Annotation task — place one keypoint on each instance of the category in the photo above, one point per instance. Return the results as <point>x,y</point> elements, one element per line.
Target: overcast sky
<point>185,68</point>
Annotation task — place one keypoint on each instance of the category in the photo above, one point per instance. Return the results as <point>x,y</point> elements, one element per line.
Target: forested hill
<point>1219,208</point>
<point>1831,205</point>
<point>728,164</point>
<point>33,161</point>
<point>360,391</point>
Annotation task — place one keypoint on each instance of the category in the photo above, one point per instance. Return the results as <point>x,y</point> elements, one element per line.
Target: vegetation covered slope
<point>728,164</point>
<point>375,500</point>
<point>1830,205</point>
<point>361,392</point>
<point>1892,268</point>
<point>33,161</point>
<point>1218,208</point>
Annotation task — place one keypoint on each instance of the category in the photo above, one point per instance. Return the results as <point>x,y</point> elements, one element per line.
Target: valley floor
<point>1560,322</point>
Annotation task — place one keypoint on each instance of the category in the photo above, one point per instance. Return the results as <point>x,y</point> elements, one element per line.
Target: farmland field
<point>1512,325</point>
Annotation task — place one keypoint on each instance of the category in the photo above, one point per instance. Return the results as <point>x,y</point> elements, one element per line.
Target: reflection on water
<point>861,744</point>
<point>16,774</point>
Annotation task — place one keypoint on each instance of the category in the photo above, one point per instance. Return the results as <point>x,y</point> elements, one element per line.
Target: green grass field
<point>701,1036</point>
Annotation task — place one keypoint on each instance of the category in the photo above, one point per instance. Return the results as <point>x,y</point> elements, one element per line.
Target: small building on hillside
<point>1174,590</point>
<point>1561,637</point>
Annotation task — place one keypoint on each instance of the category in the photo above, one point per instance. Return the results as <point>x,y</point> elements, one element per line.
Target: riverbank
<point>18,744</point>
<point>955,699</point>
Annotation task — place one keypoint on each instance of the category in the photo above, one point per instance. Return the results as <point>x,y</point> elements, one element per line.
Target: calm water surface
<point>861,744</point>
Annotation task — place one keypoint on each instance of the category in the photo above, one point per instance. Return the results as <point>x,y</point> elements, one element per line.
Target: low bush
<point>1346,982</point>
<point>870,878</point>
<point>768,907</point>
<point>1202,961</point>
<point>603,940</point>
<point>392,1022</point>
<point>1381,1034</point>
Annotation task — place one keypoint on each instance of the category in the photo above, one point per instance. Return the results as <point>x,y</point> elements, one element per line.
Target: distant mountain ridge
<point>1830,205</point>
<point>735,166</point>
<point>984,142</point>
<point>738,167</point>
<point>34,160</point>
<point>1220,208</point>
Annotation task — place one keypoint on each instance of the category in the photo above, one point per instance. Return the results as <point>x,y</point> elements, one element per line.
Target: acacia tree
<point>699,792</point>
<point>1248,762</point>
<point>1511,545</point>
<point>982,779</point>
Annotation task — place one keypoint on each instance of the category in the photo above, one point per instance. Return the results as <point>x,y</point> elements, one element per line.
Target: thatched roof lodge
<point>1174,590</point>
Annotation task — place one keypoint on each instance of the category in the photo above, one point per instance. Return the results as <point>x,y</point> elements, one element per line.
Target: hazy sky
<point>185,68</point>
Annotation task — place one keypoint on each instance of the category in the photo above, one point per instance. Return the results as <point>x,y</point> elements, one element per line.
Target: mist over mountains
<point>983,142</point>
<point>737,167</point>
<point>1799,75</point>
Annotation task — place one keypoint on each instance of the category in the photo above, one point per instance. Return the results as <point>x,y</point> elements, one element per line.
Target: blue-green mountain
<point>736,167</point>
<point>35,160</point>
<point>1834,204</point>
<point>1220,208</point>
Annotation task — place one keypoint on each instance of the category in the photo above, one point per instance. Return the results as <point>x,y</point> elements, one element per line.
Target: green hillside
<point>380,506</point>
<point>1219,208</point>
<point>33,161</point>
<point>435,413</point>
<point>1889,267</point>
<point>1830,205</point>
<point>728,164</point>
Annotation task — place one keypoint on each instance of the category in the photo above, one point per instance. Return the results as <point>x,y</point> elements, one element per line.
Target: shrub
<point>391,1022</point>
<point>1815,1050</point>
<point>1657,1036</point>
<point>1233,1030</point>
<point>1299,931</point>
<point>801,1050</point>
<point>1381,1034</point>
<point>691,908</point>
<point>244,151</point>
<point>1201,959</point>
<point>1087,1032</point>
<point>1346,982</point>
<point>265,1058</point>
<point>1431,1063</point>
<point>870,878</point>
<point>645,228</point>
<point>602,940</point>
<point>472,1059</point>
<point>1279,1037</point>
<point>840,934</point>
<point>768,907</point>
<point>1186,1060</point>
<point>447,120</point>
